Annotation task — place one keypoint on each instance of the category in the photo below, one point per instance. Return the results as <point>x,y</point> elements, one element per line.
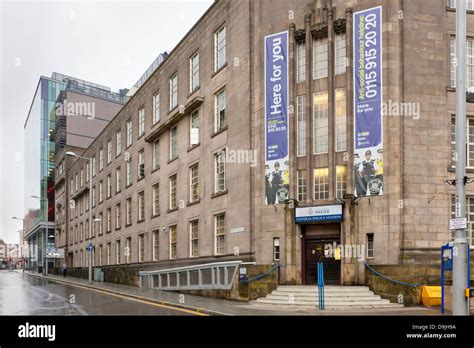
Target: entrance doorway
<point>315,239</point>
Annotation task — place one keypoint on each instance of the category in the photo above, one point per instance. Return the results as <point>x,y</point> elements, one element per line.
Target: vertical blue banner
<point>368,90</point>
<point>276,119</point>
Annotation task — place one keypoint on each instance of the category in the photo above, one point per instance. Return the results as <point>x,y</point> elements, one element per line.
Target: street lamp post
<point>70,153</point>
<point>460,260</point>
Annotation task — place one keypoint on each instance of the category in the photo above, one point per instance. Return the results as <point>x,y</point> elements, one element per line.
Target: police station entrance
<point>320,235</point>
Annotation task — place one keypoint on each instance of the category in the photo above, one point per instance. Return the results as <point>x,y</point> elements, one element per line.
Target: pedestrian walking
<point>64,269</point>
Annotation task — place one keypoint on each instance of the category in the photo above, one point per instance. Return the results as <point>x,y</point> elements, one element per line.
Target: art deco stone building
<point>166,195</point>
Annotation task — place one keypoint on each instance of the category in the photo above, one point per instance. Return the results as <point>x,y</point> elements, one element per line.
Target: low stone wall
<point>126,275</point>
<point>412,274</point>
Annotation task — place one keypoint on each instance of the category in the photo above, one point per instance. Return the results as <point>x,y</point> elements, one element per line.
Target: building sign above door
<point>322,213</point>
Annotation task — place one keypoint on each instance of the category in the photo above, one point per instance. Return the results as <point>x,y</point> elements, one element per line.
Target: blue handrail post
<point>320,271</point>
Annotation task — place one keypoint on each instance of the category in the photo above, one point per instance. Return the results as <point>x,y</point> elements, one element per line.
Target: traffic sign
<point>90,247</point>
<point>458,223</point>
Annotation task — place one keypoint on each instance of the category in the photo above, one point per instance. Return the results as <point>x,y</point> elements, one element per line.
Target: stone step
<point>326,288</point>
<point>326,297</point>
<point>326,291</point>
<point>349,304</point>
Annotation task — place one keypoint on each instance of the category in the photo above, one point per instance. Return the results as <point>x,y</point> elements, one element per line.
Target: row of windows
<point>321,183</point>
<point>124,255</point>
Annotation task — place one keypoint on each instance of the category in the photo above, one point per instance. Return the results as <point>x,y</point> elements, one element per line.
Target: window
<point>141,164</point>
<point>141,206</point>
<point>109,151</point>
<point>109,186</point>
<point>88,168</point>
<point>129,211</point>
<point>100,255</point>
<point>321,183</point>
<point>108,225</point>
<point>82,177</point>
<point>155,207</point>
<point>469,62</point>
<point>156,245</point>
<point>129,174</point>
<point>301,125</point>
<point>101,159</point>
<point>301,61</point>
<point>469,143</point>
<point>194,73</point>
<point>118,217</point>
<point>129,133</point>
<point>219,230</point>
<point>141,247</point>
<point>370,245</point>
<point>71,185</point>
<point>173,242</point>
<point>109,253</point>
<point>320,123</point>
<point>141,121</point>
<point>174,142</point>
<point>194,183</point>
<point>194,238</point>
<point>220,184</point>
<point>101,191</point>
<point>320,58</point>
<point>340,53</point>
<point>156,154</point>
<point>341,180</point>
<point>117,252</point>
<point>469,4</point>
<point>173,199</point>
<point>340,120</point>
<point>194,129</point>
<point>118,145</point>
<point>94,166</point>
<point>276,249</point>
<point>101,223</point>
<point>118,181</point>
<point>173,92</point>
<point>220,48</point>
<point>76,183</point>
<point>156,108</point>
<point>81,232</point>
<point>220,122</point>
<point>469,214</point>
<point>93,196</point>
<point>86,230</point>
<point>301,184</point>
<point>128,249</point>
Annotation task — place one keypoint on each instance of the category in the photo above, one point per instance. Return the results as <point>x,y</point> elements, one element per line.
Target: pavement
<point>199,305</point>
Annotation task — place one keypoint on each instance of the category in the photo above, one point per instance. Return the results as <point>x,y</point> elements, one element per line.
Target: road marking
<point>198,311</point>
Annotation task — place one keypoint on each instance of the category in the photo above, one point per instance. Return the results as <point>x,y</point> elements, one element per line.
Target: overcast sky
<point>111,43</point>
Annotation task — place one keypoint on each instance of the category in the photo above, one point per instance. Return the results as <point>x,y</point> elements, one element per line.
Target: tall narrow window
<point>155,207</point>
<point>118,216</point>
<point>87,173</point>
<point>320,123</point>
<point>173,242</point>
<point>82,177</point>
<point>341,180</point>
<point>469,62</point>
<point>141,121</point>
<point>194,238</point>
<point>220,117</point>
<point>156,245</point>
<point>220,48</point>
<point>320,58</point>
<point>128,249</point>
<point>370,245</point>
<point>173,204</point>
<point>129,211</point>
<point>156,108</point>
<point>220,182</point>
<point>174,142</point>
<point>109,220</point>
<point>340,53</point>
<point>321,183</point>
<point>101,159</point>
<point>301,61</point>
<point>141,247</point>
<point>156,154</point>
<point>94,166</point>
<point>118,252</point>
<point>194,73</point>
<point>93,196</point>
<point>341,120</point>
<point>101,224</point>
<point>109,151</point>
<point>129,133</point>
<point>118,144</point>
<point>118,180</point>
<point>301,125</point>
<point>109,253</point>
<point>194,128</point>
<point>220,235</point>
<point>109,186</point>
<point>173,92</point>
<point>141,163</point>
<point>194,183</point>
<point>276,249</point>
<point>100,256</point>
<point>141,206</point>
<point>129,173</point>
<point>301,184</point>
<point>101,191</point>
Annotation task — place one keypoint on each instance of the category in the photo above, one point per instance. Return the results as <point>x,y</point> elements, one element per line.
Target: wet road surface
<point>21,294</point>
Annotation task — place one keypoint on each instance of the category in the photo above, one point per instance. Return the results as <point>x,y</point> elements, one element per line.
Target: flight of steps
<point>336,297</point>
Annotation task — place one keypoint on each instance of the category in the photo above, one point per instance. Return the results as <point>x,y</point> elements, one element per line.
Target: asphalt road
<point>21,294</point>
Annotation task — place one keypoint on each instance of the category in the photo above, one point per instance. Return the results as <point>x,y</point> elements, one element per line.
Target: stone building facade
<point>180,201</point>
